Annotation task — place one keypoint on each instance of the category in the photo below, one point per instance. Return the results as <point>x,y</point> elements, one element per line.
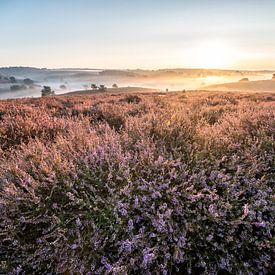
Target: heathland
<point>159,183</point>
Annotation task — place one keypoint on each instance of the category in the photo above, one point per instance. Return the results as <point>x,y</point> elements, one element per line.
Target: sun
<point>213,55</point>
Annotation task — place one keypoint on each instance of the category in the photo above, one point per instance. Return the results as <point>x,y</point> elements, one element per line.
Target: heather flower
<point>18,269</point>
<point>130,225</point>
<point>213,210</point>
<point>126,247</point>
<point>74,246</point>
<point>78,222</point>
<point>209,237</point>
<point>136,202</point>
<point>148,256</point>
<point>112,189</point>
<point>104,261</point>
<point>123,211</point>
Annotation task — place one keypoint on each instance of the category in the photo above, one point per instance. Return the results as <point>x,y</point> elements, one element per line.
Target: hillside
<point>260,86</point>
<point>75,80</point>
<point>113,90</point>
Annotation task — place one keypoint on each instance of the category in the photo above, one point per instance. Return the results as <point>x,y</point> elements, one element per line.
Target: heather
<point>160,183</point>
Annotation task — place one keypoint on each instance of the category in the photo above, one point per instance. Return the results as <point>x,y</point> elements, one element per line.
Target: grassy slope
<point>259,85</point>
<point>113,90</point>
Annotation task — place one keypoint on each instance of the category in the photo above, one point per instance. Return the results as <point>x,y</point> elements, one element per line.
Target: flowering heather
<point>143,183</point>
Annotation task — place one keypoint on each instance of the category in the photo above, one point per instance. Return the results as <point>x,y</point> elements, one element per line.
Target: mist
<point>68,80</point>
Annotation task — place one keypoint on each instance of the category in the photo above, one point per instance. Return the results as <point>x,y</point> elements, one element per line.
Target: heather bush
<point>131,99</point>
<point>167,185</point>
<point>20,125</point>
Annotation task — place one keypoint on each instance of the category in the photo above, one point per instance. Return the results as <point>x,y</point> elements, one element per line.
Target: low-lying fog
<point>62,81</point>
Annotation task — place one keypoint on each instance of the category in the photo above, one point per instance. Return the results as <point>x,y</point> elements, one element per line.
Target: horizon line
<point>134,69</point>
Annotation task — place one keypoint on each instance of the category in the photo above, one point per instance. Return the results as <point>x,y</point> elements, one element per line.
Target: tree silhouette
<point>47,91</point>
<point>63,87</point>
<point>28,81</point>
<point>12,79</point>
<point>94,87</point>
<point>102,88</point>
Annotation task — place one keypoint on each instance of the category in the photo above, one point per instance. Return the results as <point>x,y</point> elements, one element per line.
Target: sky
<point>146,34</point>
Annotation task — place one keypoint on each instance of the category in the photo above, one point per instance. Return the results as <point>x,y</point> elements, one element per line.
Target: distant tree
<point>63,87</point>
<point>94,87</point>
<point>273,77</point>
<point>28,81</point>
<point>12,79</point>
<point>47,91</point>
<point>18,87</point>
<point>244,79</point>
<point>102,88</point>
<point>114,85</point>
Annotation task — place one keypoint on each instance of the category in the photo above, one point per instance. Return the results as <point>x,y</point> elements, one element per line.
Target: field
<point>153,183</point>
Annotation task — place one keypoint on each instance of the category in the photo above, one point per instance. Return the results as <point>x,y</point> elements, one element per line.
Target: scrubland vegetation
<point>141,183</point>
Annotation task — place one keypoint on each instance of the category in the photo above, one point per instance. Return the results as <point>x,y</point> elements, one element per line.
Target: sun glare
<point>213,54</point>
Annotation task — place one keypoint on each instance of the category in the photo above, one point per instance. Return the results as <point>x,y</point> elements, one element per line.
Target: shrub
<point>132,99</point>
<point>17,87</point>
<point>28,81</point>
<point>177,189</point>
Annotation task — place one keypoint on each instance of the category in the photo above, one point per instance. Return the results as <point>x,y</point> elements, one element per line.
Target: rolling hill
<point>259,86</point>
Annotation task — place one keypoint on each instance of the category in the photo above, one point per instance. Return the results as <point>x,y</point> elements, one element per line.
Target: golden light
<point>214,54</point>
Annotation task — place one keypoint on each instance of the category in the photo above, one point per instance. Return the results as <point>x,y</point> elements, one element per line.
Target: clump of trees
<point>28,81</point>
<point>115,86</point>
<point>94,87</point>
<point>18,87</point>
<point>101,88</point>
<point>47,91</point>
<point>63,87</point>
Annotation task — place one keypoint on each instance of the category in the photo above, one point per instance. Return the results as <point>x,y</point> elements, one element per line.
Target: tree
<point>114,85</point>
<point>17,87</point>
<point>28,81</point>
<point>244,79</point>
<point>12,79</point>
<point>47,91</point>
<point>273,77</point>
<point>63,87</point>
<point>102,88</point>
<point>94,87</point>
